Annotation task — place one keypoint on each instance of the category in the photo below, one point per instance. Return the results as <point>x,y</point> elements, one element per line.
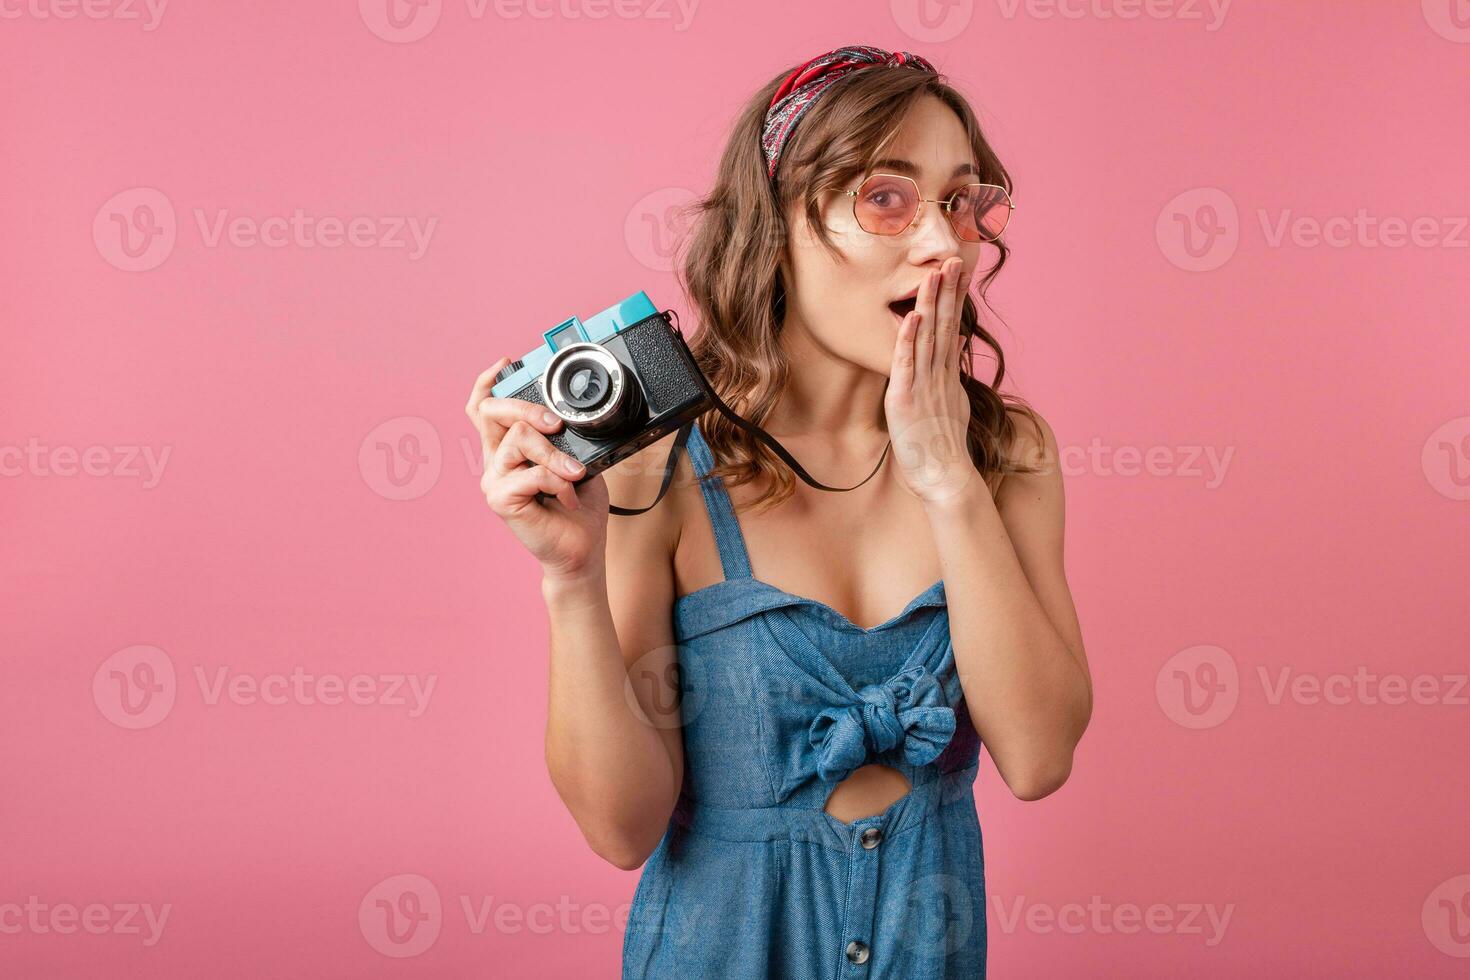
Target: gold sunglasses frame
<point>945,205</point>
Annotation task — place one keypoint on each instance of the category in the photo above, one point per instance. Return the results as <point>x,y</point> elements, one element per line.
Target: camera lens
<point>588,388</point>
<point>587,385</point>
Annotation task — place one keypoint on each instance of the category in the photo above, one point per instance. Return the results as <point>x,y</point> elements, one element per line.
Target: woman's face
<point>844,305</point>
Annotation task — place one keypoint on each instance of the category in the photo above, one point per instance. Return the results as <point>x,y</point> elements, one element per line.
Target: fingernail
<point>549,418</point>
<point>571,465</point>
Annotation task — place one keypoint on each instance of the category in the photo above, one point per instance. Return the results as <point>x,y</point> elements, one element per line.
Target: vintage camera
<point>620,380</point>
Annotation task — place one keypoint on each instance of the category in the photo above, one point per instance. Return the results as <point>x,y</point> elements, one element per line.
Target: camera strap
<point>673,460</point>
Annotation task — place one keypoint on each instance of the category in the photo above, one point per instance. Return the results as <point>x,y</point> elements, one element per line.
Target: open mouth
<point>902,307</point>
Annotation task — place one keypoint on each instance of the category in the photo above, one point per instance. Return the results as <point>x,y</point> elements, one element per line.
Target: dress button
<point>857,952</point>
<point>871,837</point>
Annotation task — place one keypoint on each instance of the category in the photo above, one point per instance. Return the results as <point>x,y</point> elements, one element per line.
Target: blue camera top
<point>611,321</point>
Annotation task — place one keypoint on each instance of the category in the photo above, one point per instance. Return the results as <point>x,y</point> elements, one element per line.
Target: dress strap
<point>734,559</point>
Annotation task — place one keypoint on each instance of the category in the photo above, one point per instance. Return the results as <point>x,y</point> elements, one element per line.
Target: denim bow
<point>907,708</point>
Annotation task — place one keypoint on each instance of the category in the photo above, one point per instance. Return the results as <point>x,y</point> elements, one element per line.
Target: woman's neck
<point>825,395</point>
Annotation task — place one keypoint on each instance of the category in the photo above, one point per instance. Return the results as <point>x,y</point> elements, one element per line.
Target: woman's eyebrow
<point>909,170</point>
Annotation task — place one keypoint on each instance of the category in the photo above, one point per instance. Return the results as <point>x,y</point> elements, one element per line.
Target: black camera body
<point>619,381</point>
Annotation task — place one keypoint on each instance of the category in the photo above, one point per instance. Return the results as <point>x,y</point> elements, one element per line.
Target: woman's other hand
<point>926,406</point>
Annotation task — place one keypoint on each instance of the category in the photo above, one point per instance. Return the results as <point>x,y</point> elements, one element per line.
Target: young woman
<point>781,712</point>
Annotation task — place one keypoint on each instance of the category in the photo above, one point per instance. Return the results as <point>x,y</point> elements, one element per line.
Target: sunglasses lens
<point>980,212</point>
<point>885,205</point>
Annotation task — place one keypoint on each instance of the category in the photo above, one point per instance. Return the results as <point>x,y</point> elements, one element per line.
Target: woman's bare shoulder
<point>1031,443</point>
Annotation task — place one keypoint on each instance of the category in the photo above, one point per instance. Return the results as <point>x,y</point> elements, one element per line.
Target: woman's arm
<point>614,744</point>
<point>1017,643</point>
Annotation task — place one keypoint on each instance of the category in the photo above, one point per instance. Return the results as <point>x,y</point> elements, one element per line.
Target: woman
<point>781,712</point>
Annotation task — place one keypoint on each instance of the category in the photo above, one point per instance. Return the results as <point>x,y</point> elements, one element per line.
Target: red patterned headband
<point>807,82</point>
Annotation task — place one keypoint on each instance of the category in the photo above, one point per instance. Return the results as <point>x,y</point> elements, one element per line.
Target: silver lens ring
<point>553,384</point>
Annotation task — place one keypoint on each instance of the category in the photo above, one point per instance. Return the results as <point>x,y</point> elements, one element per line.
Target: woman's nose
<point>934,237</point>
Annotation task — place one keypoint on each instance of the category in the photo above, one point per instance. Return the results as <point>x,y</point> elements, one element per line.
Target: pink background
<point>1150,309</point>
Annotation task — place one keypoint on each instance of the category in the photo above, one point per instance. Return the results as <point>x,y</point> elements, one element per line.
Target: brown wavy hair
<point>731,269</point>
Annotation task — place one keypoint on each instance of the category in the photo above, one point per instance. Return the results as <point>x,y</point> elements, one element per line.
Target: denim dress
<point>781,698</point>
